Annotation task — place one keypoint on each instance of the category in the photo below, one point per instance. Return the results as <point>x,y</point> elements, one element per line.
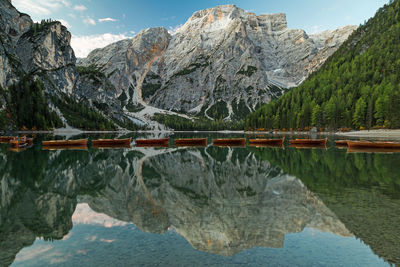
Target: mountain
<point>221,64</point>
<point>40,85</point>
<point>358,87</point>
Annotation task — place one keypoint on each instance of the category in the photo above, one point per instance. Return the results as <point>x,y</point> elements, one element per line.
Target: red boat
<point>376,144</point>
<point>112,142</point>
<point>191,142</point>
<point>266,142</point>
<point>21,142</point>
<point>64,143</point>
<point>229,142</point>
<point>317,142</point>
<point>164,142</point>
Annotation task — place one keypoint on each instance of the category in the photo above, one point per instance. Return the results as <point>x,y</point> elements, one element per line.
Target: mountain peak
<point>220,17</point>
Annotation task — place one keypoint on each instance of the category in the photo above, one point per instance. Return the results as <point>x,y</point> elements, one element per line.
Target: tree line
<point>358,86</point>
<point>27,107</point>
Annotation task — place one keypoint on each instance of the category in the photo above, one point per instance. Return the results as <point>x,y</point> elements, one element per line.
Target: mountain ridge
<point>193,76</point>
<point>218,66</point>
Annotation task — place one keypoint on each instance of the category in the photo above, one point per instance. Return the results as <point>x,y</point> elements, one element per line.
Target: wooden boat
<point>341,143</point>
<point>372,150</point>
<point>229,142</point>
<point>6,139</point>
<point>191,142</point>
<point>64,143</point>
<point>309,142</point>
<point>112,142</point>
<point>164,142</point>
<point>69,147</point>
<point>375,144</point>
<point>19,142</point>
<point>261,142</point>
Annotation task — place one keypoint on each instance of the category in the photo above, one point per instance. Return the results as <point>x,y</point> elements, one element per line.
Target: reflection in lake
<point>224,205</point>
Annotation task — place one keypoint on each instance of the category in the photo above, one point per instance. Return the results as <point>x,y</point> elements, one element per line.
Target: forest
<point>80,115</point>
<point>179,123</point>
<point>357,87</point>
<point>27,108</point>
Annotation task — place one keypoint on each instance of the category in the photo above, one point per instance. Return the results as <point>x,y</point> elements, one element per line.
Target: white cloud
<point>65,23</point>
<point>40,7</point>
<point>173,30</point>
<point>89,21</point>
<point>80,8</point>
<point>107,20</point>
<point>83,45</point>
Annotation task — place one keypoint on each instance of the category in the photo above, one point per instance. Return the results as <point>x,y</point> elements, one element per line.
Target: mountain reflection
<point>221,200</point>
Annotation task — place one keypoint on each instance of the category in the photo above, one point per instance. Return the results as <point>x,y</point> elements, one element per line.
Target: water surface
<point>199,206</point>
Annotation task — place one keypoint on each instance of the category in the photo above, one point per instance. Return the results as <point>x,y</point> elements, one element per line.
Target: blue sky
<point>98,22</point>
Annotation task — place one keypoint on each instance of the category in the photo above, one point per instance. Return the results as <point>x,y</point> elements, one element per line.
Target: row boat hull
<point>229,142</point>
<point>191,142</point>
<point>112,142</point>
<point>164,142</point>
<point>278,142</point>
<point>21,142</point>
<point>64,143</point>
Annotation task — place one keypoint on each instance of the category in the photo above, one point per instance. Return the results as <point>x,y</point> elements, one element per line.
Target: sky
<point>97,23</point>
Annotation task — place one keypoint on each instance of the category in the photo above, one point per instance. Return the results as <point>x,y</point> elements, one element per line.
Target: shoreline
<point>360,134</point>
<point>373,133</point>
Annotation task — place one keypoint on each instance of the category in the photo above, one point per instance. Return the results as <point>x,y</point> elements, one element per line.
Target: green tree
<point>317,116</point>
<point>359,114</point>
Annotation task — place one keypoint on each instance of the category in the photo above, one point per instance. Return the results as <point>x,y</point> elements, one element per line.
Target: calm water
<point>199,206</point>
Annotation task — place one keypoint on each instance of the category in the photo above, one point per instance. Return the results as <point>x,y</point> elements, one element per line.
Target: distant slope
<point>358,86</point>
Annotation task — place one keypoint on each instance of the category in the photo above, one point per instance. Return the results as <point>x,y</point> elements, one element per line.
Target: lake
<point>243,206</point>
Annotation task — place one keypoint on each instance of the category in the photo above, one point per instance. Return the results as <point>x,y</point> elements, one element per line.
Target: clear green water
<point>199,206</point>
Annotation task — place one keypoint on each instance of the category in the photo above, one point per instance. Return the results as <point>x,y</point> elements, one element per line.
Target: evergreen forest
<point>357,87</point>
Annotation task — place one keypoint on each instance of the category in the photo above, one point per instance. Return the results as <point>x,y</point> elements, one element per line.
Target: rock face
<point>12,25</point>
<point>42,51</point>
<point>222,59</point>
<point>45,51</point>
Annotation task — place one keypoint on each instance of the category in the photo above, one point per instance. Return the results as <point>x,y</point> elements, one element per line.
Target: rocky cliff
<point>221,64</point>
<point>42,52</point>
